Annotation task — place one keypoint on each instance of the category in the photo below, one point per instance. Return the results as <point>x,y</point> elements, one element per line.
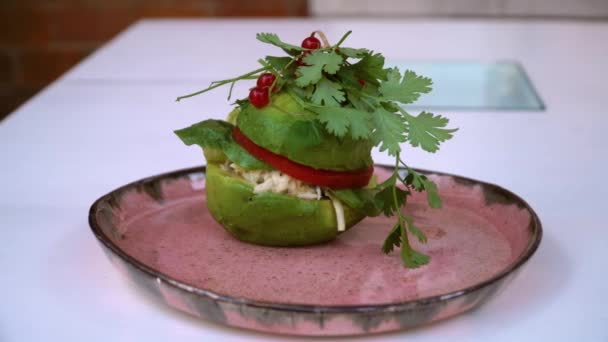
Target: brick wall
<point>41,39</point>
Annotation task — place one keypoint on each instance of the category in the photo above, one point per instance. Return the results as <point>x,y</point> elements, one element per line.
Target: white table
<point>109,121</point>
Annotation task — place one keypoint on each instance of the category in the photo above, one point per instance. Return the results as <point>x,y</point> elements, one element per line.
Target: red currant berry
<point>361,82</point>
<point>259,97</point>
<point>266,80</point>
<point>311,43</point>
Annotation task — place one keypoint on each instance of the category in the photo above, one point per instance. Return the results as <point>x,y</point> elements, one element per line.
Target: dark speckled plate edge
<point>367,318</point>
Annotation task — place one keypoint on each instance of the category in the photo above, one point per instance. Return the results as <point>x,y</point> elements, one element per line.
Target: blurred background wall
<point>521,9</point>
<point>41,39</point>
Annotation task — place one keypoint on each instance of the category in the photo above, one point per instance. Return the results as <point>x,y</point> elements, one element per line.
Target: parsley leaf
<point>278,63</point>
<point>393,239</point>
<point>356,100</point>
<point>419,234</point>
<point>271,38</point>
<point>432,195</point>
<point>412,258</point>
<point>335,122</point>
<point>398,238</point>
<point>328,93</point>
<point>391,106</point>
<point>353,53</point>
<point>303,93</point>
<point>317,62</point>
<point>350,83</point>
<point>360,124</point>
<point>370,68</point>
<point>427,131</point>
<point>422,183</point>
<point>390,130</point>
<point>406,89</point>
<point>390,199</point>
<point>340,120</point>
<point>385,198</point>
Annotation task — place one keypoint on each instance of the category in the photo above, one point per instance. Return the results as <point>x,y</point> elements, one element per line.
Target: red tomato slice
<point>326,178</point>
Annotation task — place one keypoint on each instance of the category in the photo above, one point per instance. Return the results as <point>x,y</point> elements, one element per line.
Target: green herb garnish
<point>354,95</point>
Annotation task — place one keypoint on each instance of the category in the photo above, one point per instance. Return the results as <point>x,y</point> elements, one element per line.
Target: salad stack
<point>291,165</point>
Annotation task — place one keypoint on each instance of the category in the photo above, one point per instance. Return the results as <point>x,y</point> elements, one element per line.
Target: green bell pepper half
<point>268,218</point>
<point>286,128</point>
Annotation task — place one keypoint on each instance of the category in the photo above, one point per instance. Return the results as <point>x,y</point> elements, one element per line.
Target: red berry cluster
<point>260,95</point>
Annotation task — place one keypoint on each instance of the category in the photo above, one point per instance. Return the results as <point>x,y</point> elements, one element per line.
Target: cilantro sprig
<point>353,94</point>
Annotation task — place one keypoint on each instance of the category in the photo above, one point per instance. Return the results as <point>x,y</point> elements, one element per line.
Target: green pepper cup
<point>286,128</point>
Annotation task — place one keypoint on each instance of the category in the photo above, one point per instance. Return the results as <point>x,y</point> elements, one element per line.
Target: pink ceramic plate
<point>159,233</point>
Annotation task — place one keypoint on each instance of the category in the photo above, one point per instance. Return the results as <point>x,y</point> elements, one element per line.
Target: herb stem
<point>396,173</point>
<point>230,91</point>
<point>406,249</point>
<point>368,103</point>
<point>407,253</point>
<point>323,38</point>
<point>221,83</point>
<point>288,64</point>
<point>400,161</point>
<point>297,98</point>
<point>404,164</point>
<point>264,64</point>
<point>343,39</point>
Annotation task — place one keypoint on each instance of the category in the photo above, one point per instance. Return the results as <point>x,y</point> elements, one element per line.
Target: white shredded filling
<point>278,182</point>
<point>339,209</point>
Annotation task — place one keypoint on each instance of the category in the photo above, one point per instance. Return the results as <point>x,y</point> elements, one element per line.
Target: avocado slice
<point>284,127</point>
<point>268,218</point>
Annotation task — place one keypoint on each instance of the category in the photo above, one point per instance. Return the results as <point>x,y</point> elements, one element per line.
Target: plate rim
<point>531,248</point>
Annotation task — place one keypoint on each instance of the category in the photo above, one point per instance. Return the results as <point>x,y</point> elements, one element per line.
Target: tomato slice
<point>307,174</point>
